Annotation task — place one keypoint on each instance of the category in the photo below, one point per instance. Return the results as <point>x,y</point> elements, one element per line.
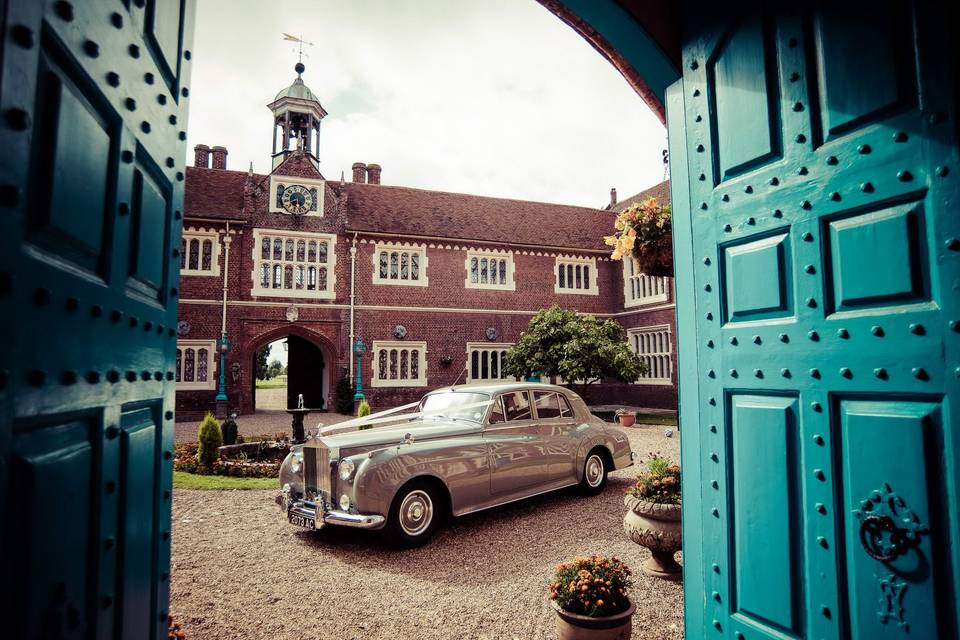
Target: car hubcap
<point>416,512</point>
<point>594,470</point>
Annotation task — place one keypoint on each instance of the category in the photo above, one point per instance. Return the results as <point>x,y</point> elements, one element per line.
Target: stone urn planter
<point>626,419</point>
<point>573,626</point>
<point>656,527</point>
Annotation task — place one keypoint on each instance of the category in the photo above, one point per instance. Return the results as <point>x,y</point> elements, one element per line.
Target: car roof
<point>501,387</point>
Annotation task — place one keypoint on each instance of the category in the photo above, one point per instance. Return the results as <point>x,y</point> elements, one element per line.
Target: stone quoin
<point>452,269</point>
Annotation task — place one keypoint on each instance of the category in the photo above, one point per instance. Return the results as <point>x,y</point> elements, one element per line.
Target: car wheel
<point>414,515</point>
<point>594,473</point>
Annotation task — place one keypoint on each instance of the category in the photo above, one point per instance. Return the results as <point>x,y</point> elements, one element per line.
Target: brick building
<point>438,285</point>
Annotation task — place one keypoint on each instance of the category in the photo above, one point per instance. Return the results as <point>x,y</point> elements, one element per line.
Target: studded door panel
<point>822,154</point>
<point>94,103</point>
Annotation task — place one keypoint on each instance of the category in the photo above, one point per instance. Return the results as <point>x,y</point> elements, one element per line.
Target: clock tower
<point>296,121</point>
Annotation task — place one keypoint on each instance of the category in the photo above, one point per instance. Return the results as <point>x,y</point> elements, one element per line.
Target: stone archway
<point>309,351</point>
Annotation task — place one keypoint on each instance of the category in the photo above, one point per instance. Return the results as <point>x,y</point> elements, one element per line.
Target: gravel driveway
<point>239,571</point>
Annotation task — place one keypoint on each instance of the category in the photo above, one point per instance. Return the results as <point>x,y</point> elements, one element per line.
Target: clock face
<point>297,199</point>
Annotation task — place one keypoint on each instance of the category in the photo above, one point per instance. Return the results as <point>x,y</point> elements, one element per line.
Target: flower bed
<point>264,463</point>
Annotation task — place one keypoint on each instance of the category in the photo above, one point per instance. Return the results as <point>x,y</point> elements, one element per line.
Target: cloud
<point>494,98</point>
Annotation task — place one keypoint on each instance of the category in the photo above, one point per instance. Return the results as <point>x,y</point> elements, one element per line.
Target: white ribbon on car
<point>383,417</point>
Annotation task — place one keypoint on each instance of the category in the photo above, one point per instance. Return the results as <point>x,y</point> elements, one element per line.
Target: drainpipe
<point>226,274</point>
<point>223,345</point>
<point>353,273</point>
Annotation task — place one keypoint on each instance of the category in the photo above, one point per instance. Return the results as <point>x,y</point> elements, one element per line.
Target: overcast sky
<point>495,98</point>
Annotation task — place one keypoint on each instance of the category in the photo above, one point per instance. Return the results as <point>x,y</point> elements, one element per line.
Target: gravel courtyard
<point>239,571</point>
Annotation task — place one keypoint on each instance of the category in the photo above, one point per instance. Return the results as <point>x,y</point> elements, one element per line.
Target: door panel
<point>91,188</point>
<point>824,293</point>
<point>763,440</point>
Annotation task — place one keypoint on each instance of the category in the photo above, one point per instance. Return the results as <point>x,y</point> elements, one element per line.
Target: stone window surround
<point>196,345</point>
<point>200,235</point>
<point>326,294</point>
<point>398,346</point>
<point>490,254</point>
<point>400,248</point>
<point>593,289</point>
<point>640,289</point>
<point>287,181</point>
<point>663,356</point>
<point>488,347</point>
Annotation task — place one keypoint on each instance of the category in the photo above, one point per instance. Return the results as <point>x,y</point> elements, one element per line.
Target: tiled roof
<point>659,191</point>
<point>403,210</point>
<point>213,193</point>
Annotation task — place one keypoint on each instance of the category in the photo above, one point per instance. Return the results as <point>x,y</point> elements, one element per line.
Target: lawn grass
<point>184,480</point>
<point>274,383</point>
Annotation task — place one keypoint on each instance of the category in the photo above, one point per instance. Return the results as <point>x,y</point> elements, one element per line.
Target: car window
<point>496,412</point>
<point>565,410</point>
<point>516,405</point>
<point>547,404</point>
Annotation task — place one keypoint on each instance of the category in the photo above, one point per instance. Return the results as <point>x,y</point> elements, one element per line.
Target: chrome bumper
<point>323,516</point>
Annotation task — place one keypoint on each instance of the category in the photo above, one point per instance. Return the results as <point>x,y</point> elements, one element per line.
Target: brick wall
<point>424,311</point>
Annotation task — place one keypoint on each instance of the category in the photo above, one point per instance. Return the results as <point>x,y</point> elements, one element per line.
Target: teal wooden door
<point>94,98</point>
<point>816,171</point>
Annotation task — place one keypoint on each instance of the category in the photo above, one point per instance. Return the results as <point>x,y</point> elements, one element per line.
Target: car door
<point>514,444</point>
<point>558,428</point>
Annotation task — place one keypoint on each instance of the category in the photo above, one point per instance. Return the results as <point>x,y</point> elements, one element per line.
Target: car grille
<point>316,470</point>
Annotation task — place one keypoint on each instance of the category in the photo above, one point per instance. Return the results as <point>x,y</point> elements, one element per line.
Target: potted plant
<point>590,596</point>
<point>653,516</point>
<point>643,232</point>
<point>625,417</point>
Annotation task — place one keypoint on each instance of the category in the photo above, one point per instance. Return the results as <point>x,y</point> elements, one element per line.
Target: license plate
<point>302,521</point>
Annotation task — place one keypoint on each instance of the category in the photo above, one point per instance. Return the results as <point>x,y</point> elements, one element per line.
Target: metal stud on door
<point>94,103</point>
<point>820,146</point>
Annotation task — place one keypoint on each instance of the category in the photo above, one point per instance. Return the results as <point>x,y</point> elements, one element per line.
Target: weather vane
<point>300,41</point>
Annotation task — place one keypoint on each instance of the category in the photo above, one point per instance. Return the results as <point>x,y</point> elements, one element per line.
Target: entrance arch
<point>310,359</point>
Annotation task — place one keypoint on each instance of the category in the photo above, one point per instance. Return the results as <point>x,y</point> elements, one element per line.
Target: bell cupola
<point>296,121</point>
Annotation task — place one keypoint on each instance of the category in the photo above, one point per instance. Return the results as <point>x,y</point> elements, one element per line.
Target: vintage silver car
<point>465,448</point>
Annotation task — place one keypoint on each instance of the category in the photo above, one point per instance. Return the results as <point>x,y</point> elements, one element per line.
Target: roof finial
<point>250,170</point>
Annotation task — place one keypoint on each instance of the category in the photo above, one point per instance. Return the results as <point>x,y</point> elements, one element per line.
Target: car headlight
<point>347,468</point>
<point>296,463</point>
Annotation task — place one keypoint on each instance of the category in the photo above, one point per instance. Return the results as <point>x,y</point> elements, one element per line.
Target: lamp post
<point>359,348</point>
<point>223,347</point>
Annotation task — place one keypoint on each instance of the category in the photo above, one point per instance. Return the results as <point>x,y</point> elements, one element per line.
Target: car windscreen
<point>457,405</point>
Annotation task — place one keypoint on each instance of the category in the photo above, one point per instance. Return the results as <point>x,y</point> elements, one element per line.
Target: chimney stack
<point>219,157</point>
<point>373,174</point>
<point>359,172</point>
<point>201,156</point>
<point>613,196</point>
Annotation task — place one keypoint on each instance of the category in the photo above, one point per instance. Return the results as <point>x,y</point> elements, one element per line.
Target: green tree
<point>210,439</point>
<point>578,348</point>
<point>275,369</point>
<point>261,362</point>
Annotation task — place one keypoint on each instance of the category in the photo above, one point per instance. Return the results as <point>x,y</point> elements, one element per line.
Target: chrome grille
<point>316,471</point>
<point>309,471</point>
<point>323,471</point>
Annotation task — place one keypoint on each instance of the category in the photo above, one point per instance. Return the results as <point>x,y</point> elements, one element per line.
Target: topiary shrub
<point>210,439</point>
<point>363,410</point>
<point>344,396</point>
<point>229,431</point>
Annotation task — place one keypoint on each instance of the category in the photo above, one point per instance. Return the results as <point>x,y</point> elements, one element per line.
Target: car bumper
<point>322,516</point>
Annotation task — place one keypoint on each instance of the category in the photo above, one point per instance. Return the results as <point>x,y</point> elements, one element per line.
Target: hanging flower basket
<point>643,233</point>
